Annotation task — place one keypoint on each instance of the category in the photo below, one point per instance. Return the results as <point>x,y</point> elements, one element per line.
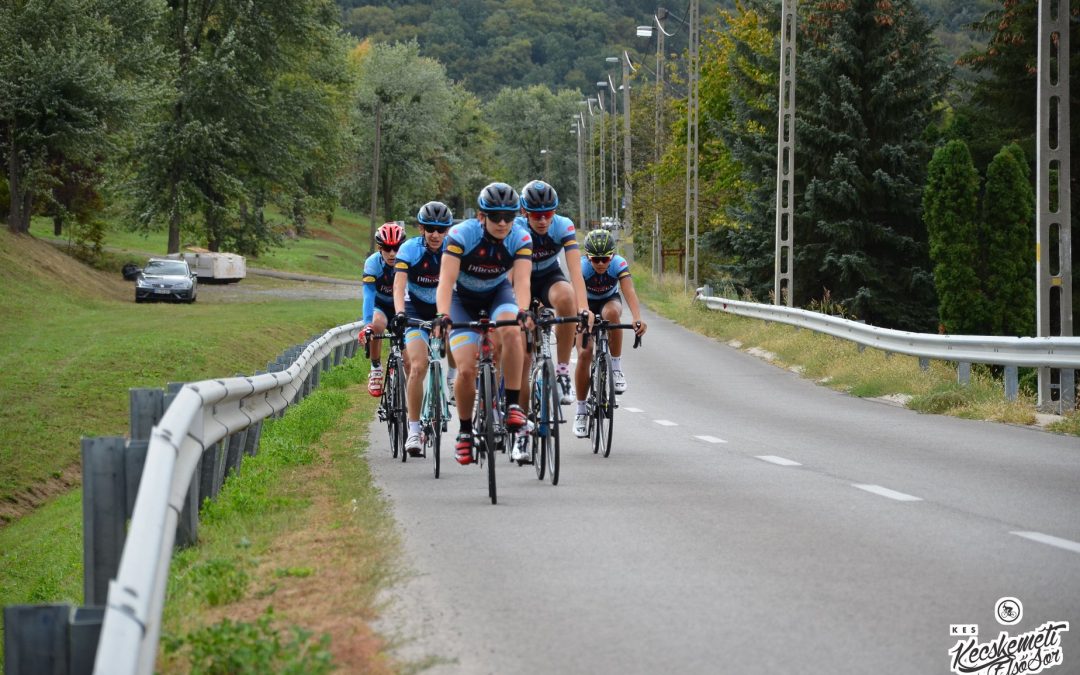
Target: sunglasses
<point>542,214</point>
<point>389,248</point>
<point>435,228</point>
<point>600,258</point>
<point>501,216</point>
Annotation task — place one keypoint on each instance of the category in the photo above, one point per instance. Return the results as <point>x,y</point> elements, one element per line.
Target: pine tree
<point>870,79</point>
<point>950,210</point>
<point>1008,217</point>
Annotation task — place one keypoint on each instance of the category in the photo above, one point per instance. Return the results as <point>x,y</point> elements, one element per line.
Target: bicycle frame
<point>545,410</point>
<point>601,402</point>
<point>435,407</point>
<point>392,408</point>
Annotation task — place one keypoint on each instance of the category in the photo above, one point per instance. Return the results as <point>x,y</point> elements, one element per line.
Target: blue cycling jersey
<point>604,285</point>
<point>561,236</point>
<point>421,265</point>
<point>485,261</point>
<point>378,284</point>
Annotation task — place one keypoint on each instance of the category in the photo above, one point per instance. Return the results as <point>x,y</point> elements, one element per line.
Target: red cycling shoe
<point>463,449</point>
<point>515,418</point>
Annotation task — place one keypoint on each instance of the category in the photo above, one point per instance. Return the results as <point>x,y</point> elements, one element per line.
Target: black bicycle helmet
<point>498,197</point>
<point>539,196</point>
<point>435,213</point>
<point>599,243</point>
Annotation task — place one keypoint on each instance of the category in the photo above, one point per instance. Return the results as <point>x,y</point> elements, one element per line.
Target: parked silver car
<point>164,279</point>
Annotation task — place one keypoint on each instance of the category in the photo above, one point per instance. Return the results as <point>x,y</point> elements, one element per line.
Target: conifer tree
<point>950,210</point>
<point>1008,218</point>
<point>870,79</point>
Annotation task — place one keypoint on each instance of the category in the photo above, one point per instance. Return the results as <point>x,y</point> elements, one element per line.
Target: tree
<point>252,95</point>
<point>950,211</point>
<point>415,106</point>
<point>1008,215</point>
<point>75,75</point>
<point>871,79</point>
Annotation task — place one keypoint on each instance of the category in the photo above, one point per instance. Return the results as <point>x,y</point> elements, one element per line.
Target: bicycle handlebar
<point>602,324</point>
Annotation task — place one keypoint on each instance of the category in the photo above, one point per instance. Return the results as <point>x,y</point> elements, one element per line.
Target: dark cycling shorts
<point>465,307</point>
<point>385,307</point>
<point>421,311</point>
<point>541,285</point>
<point>596,306</point>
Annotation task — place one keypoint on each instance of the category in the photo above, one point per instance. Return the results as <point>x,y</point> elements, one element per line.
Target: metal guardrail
<point>1012,352</point>
<point>202,414</point>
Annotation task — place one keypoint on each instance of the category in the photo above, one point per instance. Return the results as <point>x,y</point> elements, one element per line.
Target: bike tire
<point>607,418</point>
<point>552,414</point>
<point>595,413</point>
<point>388,406</point>
<point>436,417</point>
<point>400,413</point>
<point>487,425</point>
<point>536,407</point>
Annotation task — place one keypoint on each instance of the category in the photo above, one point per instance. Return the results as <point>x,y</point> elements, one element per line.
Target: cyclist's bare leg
<point>561,299</point>
<point>465,385</point>
<point>513,352</point>
<point>581,373</point>
<point>416,360</point>
<point>378,325</point>
<point>613,312</point>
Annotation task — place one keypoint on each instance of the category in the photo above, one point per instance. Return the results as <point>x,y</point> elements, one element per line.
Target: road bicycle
<point>435,409</point>
<point>601,403</point>
<point>489,431</point>
<point>392,408</point>
<point>545,410</point>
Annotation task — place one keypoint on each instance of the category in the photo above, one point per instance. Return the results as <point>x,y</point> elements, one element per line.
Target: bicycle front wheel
<point>487,424</point>
<point>388,407</point>
<point>607,410</point>
<point>435,416</point>
<point>399,411</point>
<point>552,413</point>
<point>538,442</point>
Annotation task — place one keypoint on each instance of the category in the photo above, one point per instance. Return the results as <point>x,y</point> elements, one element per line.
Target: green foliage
<point>950,211</point>
<point>872,79</point>
<point>1008,208</point>
<point>220,581</point>
<point>254,647</point>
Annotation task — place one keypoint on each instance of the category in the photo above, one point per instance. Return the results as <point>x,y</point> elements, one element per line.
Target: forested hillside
<point>491,44</point>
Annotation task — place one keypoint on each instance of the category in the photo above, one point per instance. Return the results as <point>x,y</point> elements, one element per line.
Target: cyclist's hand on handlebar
<point>584,320</point>
<point>525,319</point>
<point>365,335</point>
<point>398,322</point>
<point>440,326</point>
<point>639,328</point>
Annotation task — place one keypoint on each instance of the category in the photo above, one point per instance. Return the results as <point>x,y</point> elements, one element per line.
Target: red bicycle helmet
<point>390,234</point>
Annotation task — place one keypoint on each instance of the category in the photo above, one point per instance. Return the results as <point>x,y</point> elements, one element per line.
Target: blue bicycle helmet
<point>498,197</point>
<point>435,214</point>
<point>539,196</point>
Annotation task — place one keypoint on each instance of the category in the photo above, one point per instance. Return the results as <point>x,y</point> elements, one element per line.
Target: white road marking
<point>1051,540</point>
<point>886,492</point>
<point>631,409</point>
<point>781,461</point>
<point>666,423</point>
<point>711,439</point>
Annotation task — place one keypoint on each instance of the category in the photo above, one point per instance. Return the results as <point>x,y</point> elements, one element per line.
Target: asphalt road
<point>747,521</point>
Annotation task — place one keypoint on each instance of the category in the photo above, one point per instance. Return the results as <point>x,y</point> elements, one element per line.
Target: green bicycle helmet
<point>599,243</point>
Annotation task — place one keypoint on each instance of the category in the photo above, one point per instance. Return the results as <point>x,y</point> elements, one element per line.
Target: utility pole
<point>603,166</point>
<point>628,190</point>
<point>614,149</point>
<point>375,176</point>
<point>783,278</point>
<point>691,242</point>
<point>579,128</point>
<point>1053,216</point>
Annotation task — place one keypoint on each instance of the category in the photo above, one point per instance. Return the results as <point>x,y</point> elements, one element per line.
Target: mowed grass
<point>334,249</point>
<point>839,364</point>
<point>74,342</point>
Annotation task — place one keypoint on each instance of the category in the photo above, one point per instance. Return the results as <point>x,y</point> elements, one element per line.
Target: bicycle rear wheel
<point>487,424</point>
<point>388,407</point>
<point>536,407</point>
<point>552,414</point>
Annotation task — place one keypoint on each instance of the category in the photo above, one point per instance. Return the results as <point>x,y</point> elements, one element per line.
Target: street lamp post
<point>579,130</point>
<point>691,243</point>
<point>593,191</point>
<point>603,166</point>
<point>547,164</point>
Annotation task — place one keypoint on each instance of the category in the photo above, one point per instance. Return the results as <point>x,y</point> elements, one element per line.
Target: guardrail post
<point>147,407</point>
<point>963,373</point>
<point>53,638</point>
<point>1067,387</point>
<point>187,527</point>
<point>1012,384</point>
<point>211,467</point>
<point>924,363</point>
<point>104,502</point>
<point>339,353</point>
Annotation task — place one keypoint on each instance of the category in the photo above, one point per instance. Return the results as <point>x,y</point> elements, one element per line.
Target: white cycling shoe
<point>620,381</point>
<point>581,426</point>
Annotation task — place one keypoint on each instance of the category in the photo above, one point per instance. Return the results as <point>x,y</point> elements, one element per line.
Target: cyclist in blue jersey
<point>379,295</point>
<point>417,278</point>
<point>479,255</point>
<point>605,275</point>
<point>552,234</point>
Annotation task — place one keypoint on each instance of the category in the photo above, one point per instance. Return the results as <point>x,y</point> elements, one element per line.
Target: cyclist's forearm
<point>369,302</point>
<point>631,298</point>
<point>448,275</point>
<point>573,263</point>
<point>401,280</point>
<point>523,283</point>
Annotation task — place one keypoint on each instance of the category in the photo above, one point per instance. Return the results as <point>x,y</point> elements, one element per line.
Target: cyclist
<point>606,274</point>
<point>479,256</point>
<point>379,295</point>
<point>417,277</point>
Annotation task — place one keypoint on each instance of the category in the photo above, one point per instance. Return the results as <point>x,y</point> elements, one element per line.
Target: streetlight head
<point>612,59</point>
<point>601,85</point>
<point>544,151</point>
<point>644,31</point>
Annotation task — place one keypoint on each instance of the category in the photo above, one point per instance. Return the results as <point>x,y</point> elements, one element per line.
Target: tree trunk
<point>18,211</point>
<point>58,225</point>
<point>174,222</point>
<point>388,197</point>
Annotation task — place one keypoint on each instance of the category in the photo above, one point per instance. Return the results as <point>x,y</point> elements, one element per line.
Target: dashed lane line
<point>710,439</point>
<point>779,461</point>
<point>666,423</point>
<point>1050,540</point>
<point>636,410</point>
<point>886,492</point>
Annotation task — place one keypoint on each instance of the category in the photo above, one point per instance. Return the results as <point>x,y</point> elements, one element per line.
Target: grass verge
<point>840,365</point>
<point>293,553</point>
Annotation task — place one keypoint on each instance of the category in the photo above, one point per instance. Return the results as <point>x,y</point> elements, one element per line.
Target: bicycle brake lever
<point>637,341</point>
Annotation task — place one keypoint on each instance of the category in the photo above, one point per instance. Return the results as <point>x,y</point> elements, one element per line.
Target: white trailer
<point>215,267</point>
